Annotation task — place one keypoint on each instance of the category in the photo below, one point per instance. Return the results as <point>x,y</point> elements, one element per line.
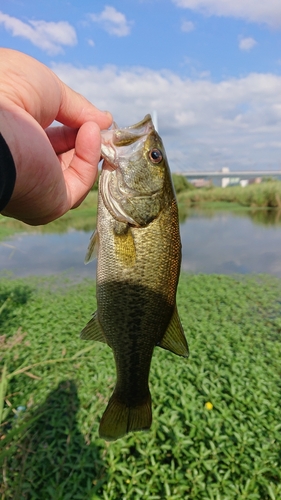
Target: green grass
<point>266,195</point>
<point>261,202</point>
<point>231,451</point>
<point>82,218</point>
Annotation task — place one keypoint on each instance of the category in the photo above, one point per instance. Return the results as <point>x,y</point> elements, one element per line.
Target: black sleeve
<point>7,173</point>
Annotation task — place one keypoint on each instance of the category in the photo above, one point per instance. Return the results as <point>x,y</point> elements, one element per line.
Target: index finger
<point>75,110</point>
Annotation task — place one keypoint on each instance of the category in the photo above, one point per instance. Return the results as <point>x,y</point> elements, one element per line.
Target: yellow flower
<point>209,406</point>
<point>128,481</point>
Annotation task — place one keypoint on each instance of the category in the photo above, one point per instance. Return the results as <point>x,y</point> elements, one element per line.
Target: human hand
<point>55,166</point>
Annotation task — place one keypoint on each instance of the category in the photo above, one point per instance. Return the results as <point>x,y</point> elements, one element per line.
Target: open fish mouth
<point>127,135</point>
<point>123,142</point>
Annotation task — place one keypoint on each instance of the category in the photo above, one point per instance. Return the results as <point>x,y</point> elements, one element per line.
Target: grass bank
<point>216,416</point>
<point>265,195</point>
<point>255,197</point>
<point>82,218</point>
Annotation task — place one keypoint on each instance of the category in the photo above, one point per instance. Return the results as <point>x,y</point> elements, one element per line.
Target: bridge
<point>199,174</point>
<point>230,177</point>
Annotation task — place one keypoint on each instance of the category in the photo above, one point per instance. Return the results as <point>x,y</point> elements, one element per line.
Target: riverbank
<point>263,195</point>
<point>82,218</point>
<point>216,416</point>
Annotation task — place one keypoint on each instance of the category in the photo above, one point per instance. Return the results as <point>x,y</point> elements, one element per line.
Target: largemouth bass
<point>139,256</point>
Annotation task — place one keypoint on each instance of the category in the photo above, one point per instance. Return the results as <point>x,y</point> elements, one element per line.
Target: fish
<point>138,248</point>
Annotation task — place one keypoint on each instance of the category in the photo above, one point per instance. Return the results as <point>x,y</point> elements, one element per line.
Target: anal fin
<point>93,330</point>
<point>174,339</point>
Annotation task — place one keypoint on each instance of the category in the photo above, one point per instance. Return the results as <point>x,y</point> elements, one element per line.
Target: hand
<point>56,166</point>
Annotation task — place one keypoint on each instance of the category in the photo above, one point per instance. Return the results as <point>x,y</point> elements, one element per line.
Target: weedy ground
<point>265,195</point>
<point>216,416</point>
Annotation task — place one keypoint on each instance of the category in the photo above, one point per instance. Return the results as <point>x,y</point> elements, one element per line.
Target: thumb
<point>82,170</point>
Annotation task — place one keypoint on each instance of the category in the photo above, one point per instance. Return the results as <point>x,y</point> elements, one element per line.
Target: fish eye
<point>155,155</point>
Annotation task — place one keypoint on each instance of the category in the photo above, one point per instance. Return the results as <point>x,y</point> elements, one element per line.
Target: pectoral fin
<point>92,248</point>
<point>125,249</point>
<point>93,330</point>
<point>174,339</point>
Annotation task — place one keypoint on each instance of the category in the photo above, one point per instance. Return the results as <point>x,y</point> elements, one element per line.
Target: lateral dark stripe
<point>7,173</point>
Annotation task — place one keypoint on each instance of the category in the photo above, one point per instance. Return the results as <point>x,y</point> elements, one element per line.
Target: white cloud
<point>247,43</point>
<point>187,26</point>
<point>49,36</point>
<point>204,125</point>
<point>114,22</point>
<point>268,11</point>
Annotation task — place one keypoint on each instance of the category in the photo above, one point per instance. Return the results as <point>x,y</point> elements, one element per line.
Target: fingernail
<point>110,117</point>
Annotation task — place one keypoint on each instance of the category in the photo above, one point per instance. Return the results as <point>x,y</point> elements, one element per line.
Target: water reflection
<point>266,217</point>
<point>213,242</point>
<point>228,242</point>
<point>44,254</point>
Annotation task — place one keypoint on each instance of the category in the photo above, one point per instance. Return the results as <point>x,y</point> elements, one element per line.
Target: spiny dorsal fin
<point>174,339</point>
<point>92,248</point>
<point>93,330</point>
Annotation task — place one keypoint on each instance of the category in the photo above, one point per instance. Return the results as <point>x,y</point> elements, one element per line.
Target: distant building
<point>256,180</point>
<point>236,181</point>
<point>225,177</point>
<point>244,182</point>
<point>225,180</point>
<point>200,183</point>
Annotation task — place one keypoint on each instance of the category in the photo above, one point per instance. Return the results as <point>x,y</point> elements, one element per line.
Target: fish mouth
<point>128,135</point>
<point>117,146</point>
<point>122,142</point>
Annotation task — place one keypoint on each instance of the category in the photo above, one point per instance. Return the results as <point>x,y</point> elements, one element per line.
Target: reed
<point>265,195</point>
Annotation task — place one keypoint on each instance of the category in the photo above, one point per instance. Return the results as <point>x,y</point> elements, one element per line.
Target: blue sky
<point>210,68</point>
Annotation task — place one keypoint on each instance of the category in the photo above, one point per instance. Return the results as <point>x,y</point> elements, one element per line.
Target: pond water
<point>221,242</point>
<point>228,243</point>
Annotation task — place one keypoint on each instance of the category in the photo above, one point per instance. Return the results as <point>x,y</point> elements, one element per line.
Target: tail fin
<point>119,419</point>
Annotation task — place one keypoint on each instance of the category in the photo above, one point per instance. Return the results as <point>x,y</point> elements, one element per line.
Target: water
<point>28,254</point>
<point>213,242</point>
<point>227,244</point>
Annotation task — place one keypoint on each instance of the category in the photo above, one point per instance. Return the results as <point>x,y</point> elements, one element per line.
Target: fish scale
<point>139,256</point>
